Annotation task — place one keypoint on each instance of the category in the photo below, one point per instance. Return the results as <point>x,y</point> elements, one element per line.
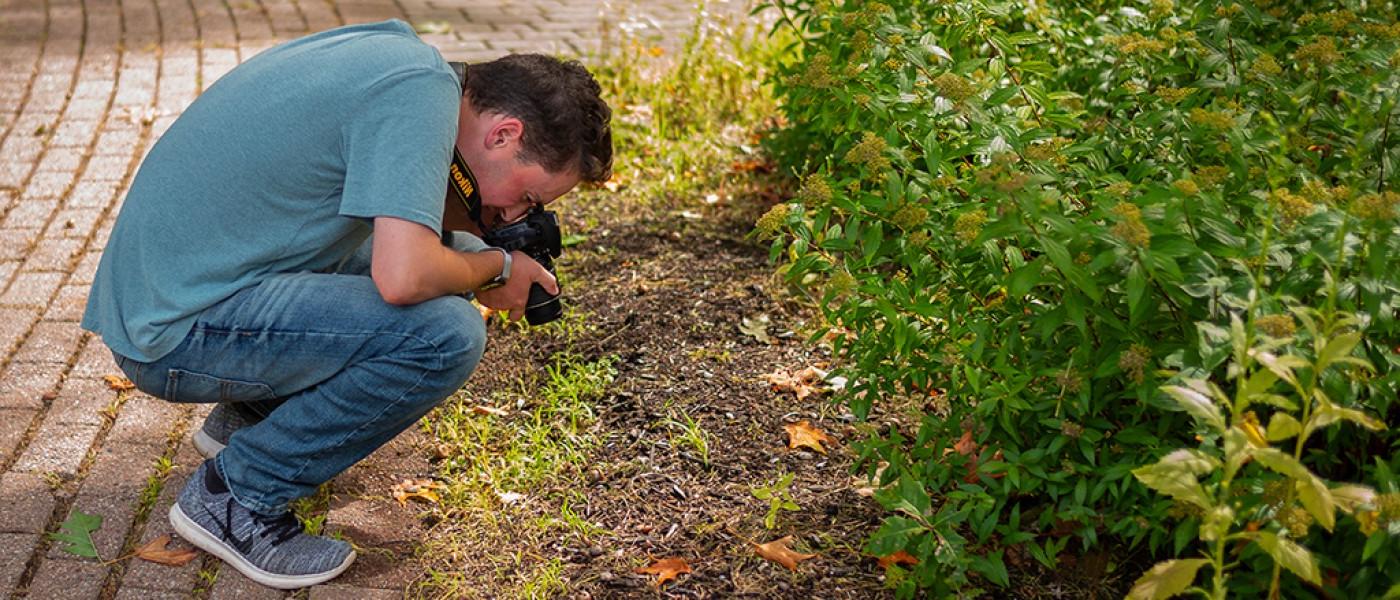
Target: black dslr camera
<point>537,235</point>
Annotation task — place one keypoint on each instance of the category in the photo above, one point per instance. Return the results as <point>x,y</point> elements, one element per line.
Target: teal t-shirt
<point>279,167</point>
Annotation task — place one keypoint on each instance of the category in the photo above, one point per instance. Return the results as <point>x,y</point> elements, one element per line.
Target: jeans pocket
<point>189,386</point>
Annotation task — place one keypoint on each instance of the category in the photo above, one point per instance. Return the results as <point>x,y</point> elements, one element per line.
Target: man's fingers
<point>516,313</point>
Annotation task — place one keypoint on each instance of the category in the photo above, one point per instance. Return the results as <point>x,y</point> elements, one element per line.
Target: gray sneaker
<point>271,550</point>
<point>226,418</point>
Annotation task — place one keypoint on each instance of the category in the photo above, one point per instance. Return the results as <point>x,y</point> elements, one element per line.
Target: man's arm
<point>410,265</point>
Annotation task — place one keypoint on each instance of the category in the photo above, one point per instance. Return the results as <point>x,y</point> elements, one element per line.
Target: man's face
<point>514,186</point>
<point>490,143</point>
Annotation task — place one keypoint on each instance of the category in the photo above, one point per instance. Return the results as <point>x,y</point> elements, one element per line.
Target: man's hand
<point>515,292</point>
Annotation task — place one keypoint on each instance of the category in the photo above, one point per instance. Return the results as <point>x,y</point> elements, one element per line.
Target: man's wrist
<point>504,275</point>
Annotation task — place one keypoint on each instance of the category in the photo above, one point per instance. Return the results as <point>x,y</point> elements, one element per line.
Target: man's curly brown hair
<point>566,120</point>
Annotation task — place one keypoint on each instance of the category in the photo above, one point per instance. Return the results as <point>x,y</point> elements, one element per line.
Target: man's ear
<point>504,132</point>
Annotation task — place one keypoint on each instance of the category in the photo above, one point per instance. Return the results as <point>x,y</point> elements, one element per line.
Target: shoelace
<point>280,528</point>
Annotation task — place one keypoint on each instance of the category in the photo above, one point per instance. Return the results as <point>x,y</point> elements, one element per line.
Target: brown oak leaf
<point>156,551</point>
<point>898,558</point>
<point>421,489</point>
<point>778,552</point>
<point>802,435</point>
<point>665,569</point>
<point>118,383</point>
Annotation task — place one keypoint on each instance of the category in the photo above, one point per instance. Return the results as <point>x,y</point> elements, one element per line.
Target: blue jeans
<point>338,372</point>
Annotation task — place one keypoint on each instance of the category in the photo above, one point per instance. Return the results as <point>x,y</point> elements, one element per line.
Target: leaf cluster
<point>1050,212</point>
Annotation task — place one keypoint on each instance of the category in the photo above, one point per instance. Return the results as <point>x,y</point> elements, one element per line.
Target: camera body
<point>536,235</point>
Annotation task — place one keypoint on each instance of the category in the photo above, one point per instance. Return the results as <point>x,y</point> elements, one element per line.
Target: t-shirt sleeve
<point>397,147</point>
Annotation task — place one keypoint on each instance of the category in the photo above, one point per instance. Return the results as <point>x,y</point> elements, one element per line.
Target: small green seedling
<point>778,497</point>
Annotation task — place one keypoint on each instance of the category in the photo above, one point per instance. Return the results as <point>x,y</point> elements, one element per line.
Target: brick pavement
<point>86,86</point>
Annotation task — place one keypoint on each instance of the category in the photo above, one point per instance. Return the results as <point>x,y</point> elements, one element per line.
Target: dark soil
<point>667,288</point>
<point>668,293</point>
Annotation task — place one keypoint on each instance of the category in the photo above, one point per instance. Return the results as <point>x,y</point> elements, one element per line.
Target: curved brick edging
<point>85,87</point>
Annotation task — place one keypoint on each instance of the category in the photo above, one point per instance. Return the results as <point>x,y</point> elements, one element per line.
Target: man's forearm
<point>410,264</point>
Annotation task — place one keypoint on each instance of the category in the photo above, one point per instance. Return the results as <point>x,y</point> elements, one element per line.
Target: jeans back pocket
<point>189,386</point>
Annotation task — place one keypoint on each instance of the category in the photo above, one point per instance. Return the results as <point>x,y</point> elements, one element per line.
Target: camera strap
<point>460,177</point>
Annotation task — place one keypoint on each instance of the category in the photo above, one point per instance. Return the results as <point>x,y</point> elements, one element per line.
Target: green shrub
<point>1021,221</point>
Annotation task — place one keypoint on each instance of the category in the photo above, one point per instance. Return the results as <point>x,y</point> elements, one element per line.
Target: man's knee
<point>458,337</point>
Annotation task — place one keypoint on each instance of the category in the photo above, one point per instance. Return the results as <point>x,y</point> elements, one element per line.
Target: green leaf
<point>1336,348</point>
<point>76,534</point>
<point>1197,404</point>
<point>1393,593</point>
<point>1137,289</point>
<point>1166,579</point>
<point>893,536</point>
<point>993,567</point>
<point>1282,426</point>
<point>1292,556</point>
<point>1175,476</point>
<point>1315,496</point>
<point>1281,365</point>
<point>1059,255</point>
<point>1025,278</point>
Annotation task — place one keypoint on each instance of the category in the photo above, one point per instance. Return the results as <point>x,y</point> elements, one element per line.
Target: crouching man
<point>242,270</point>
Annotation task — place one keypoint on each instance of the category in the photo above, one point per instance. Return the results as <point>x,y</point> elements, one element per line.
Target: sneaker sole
<point>197,535</point>
<point>207,446</point>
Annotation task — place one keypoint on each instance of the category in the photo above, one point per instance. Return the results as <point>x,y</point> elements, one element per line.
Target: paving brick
<point>14,243</point>
<point>49,342</point>
<point>86,270</point>
<point>32,289</point>
<point>26,384</point>
<point>74,222</point>
<point>49,184</point>
<point>94,362</point>
<point>61,159</point>
<point>14,323</point>
<point>56,448</point>
<point>53,255</point>
<point>113,488</point>
<point>67,579</point>
<point>69,305</point>
<point>92,193</point>
<point>144,575</point>
<point>340,592</point>
<point>28,503</point>
<point>144,421</point>
<point>81,402</point>
<point>15,550</point>
<point>31,213</point>
<point>13,423</point>
<point>132,593</point>
<point>232,585</point>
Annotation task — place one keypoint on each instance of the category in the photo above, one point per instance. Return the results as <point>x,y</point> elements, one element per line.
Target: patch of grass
<point>311,510</point>
<point>682,118</point>
<point>545,582</point>
<point>687,433</point>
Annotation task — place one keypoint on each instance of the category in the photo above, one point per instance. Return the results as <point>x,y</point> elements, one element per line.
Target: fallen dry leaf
<point>778,552</point>
<point>898,558</point>
<point>803,383</point>
<point>489,410</point>
<point>665,569</point>
<point>421,489</point>
<point>802,435</point>
<point>756,328</point>
<point>156,551</point>
<point>118,383</point>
